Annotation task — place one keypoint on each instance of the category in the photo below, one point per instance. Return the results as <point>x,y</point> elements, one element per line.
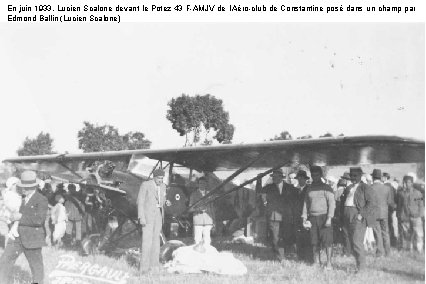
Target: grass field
<point>400,267</point>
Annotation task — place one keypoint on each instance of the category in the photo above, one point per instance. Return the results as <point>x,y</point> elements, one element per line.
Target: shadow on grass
<point>409,275</point>
<point>18,275</point>
<point>254,252</point>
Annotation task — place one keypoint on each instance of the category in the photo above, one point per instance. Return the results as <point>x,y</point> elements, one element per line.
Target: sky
<point>307,78</point>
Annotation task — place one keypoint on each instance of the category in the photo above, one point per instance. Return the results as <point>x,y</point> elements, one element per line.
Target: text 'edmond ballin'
<point>100,13</point>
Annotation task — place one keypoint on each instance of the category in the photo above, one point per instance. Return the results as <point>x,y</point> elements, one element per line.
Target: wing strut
<point>68,168</point>
<point>205,201</point>
<point>228,179</point>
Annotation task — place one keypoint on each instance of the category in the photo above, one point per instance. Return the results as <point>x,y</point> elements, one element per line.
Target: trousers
<point>381,234</point>
<point>150,256</point>
<point>356,230</point>
<point>411,233</point>
<point>12,251</point>
<point>70,225</point>
<point>202,233</point>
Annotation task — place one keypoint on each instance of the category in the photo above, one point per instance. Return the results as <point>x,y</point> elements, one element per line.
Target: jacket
<point>205,215</point>
<point>384,199</point>
<point>148,201</point>
<point>280,207</point>
<point>409,204</point>
<point>365,200</point>
<point>31,226</point>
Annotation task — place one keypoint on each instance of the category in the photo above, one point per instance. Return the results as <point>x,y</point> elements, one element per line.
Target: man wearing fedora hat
<point>151,199</point>
<point>303,239</point>
<point>384,201</point>
<point>280,198</point>
<point>31,216</point>
<point>360,207</point>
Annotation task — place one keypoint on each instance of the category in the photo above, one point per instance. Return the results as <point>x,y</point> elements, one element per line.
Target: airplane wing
<point>332,151</point>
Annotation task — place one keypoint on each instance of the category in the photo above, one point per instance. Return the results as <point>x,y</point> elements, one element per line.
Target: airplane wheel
<point>168,248</point>
<point>90,244</point>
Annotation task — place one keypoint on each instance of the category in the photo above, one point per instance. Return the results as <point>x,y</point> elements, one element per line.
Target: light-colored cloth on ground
<point>207,259</point>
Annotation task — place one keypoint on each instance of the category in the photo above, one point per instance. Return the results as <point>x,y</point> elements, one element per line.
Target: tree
<point>41,145</point>
<point>328,134</point>
<point>200,115</point>
<point>136,140</point>
<point>285,135</point>
<point>94,138</point>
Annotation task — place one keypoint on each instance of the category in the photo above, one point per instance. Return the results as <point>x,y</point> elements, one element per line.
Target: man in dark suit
<point>359,212</point>
<point>279,213</point>
<point>385,201</point>
<point>31,217</point>
<point>151,199</point>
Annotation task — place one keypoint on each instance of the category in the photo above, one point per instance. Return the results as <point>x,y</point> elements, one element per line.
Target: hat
<point>28,179</point>
<point>342,182</point>
<point>376,174</point>
<point>356,170</point>
<point>277,172</point>
<point>387,175</point>
<point>407,177</point>
<point>302,174</point>
<point>316,169</point>
<point>158,173</point>
<point>346,176</point>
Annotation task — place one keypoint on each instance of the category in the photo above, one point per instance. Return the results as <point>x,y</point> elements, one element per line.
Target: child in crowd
<point>59,219</point>
<point>12,203</point>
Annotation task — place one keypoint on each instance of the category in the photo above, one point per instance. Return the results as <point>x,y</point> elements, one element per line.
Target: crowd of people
<point>312,213</point>
<point>304,215</point>
<point>73,211</point>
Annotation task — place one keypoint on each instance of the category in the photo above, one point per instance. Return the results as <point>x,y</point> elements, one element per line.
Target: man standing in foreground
<point>151,199</point>
<point>319,208</point>
<point>359,212</point>
<point>303,238</point>
<point>384,201</point>
<point>410,210</point>
<point>203,218</point>
<point>31,216</point>
<point>278,210</point>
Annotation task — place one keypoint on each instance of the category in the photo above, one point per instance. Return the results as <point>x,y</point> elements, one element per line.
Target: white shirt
<point>350,198</point>
<point>28,196</point>
<point>158,195</point>
<point>280,187</point>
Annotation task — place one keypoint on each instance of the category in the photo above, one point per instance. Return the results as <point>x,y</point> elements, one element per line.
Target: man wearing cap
<point>410,210</point>
<point>384,201</point>
<point>279,202</point>
<point>303,239</point>
<point>151,199</point>
<point>319,208</point>
<point>31,216</point>
<point>359,212</point>
<point>204,216</point>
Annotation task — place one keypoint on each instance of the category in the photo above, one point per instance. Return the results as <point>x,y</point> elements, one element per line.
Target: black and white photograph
<point>212,152</point>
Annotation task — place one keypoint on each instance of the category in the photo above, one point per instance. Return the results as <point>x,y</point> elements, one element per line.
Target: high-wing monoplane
<point>121,185</point>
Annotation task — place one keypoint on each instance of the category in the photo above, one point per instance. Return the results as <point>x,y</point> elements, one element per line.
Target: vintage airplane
<point>121,186</point>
